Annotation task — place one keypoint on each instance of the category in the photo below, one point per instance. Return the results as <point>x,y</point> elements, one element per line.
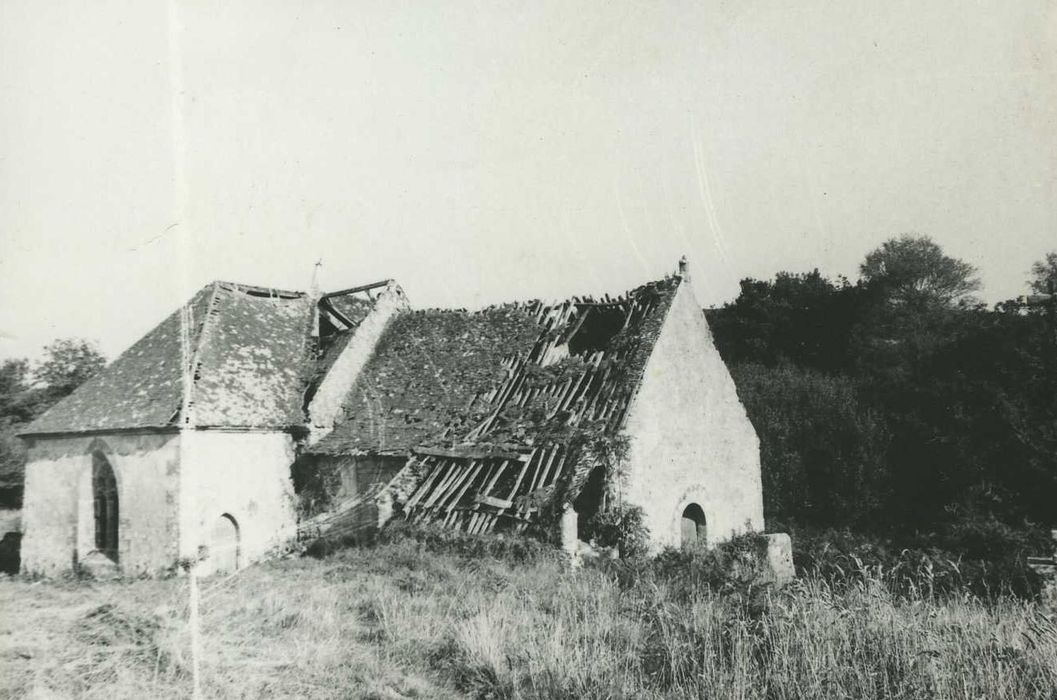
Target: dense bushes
<point>443,540</point>
<point>892,417</point>
<point>986,558</point>
<point>822,448</point>
<point>621,527</point>
<point>735,570</point>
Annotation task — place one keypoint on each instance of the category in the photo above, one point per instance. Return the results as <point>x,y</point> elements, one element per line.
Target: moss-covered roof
<point>250,348</point>
<point>514,375</point>
<point>252,361</point>
<point>421,384</point>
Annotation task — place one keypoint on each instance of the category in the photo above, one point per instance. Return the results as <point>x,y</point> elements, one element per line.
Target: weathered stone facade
<point>171,489</point>
<point>242,476</point>
<point>691,441</point>
<point>352,484</point>
<point>58,518</point>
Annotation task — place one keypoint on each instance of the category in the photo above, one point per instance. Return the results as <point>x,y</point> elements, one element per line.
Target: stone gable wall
<point>326,404</point>
<point>691,441</point>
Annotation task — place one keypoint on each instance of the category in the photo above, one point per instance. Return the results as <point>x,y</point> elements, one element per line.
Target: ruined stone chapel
<point>252,417</point>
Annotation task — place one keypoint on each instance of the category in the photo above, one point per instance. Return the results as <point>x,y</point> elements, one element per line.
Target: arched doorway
<point>692,527</point>
<point>224,547</point>
<point>105,507</point>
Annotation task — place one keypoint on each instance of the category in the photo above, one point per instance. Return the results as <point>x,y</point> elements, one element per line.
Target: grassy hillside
<point>402,620</point>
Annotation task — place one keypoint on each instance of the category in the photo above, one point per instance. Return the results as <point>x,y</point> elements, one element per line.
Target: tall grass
<point>409,619</point>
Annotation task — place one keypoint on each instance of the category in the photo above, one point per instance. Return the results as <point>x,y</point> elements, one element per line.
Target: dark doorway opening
<point>693,531</point>
<point>590,501</point>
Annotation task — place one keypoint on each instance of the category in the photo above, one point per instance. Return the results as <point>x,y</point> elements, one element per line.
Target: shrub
<point>513,548</point>
<point>735,569</point>
<point>983,557</point>
<point>621,527</point>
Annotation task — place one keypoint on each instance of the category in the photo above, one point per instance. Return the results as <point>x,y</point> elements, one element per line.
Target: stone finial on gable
<point>684,268</point>
<point>313,287</point>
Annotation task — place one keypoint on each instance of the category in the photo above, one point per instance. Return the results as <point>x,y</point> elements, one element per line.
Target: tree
<point>800,319</point>
<point>1044,274</point>
<point>14,387</point>
<point>16,407</point>
<point>12,464</point>
<point>912,270</point>
<point>67,364</point>
<point>26,393</point>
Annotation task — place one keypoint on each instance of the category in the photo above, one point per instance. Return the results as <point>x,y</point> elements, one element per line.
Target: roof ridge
<point>192,367</point>
<point>577,299</point>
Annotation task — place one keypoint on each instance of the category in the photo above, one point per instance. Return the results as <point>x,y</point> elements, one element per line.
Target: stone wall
<point>245,476</point>
<point>332,391</point>
<point>58,513</point>
<point>353,486</point>
<point>691,441</point>
<point>172,490</point>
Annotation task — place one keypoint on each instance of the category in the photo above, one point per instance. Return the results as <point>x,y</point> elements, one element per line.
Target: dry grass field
<point>400,620</point>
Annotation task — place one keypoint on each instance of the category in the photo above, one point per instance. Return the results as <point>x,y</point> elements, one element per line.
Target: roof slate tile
<point>252,351</point>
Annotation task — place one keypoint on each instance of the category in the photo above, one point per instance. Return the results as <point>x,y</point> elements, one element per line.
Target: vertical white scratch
<point>179,149</point>
<point>705,192</point>
<point>687,245</point>
<point>186,429</point>
<point>183,270</point>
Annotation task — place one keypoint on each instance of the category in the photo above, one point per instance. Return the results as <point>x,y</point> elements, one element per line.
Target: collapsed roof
<point>496,409</point>
<point>443,378</point>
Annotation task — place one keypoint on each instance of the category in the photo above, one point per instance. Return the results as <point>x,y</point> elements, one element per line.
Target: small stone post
<point>780,557</point>
<point>385,507</point>
<point>570,540</point>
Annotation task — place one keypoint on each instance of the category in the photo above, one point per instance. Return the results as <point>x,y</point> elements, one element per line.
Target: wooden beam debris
<point>353,290</point>
<point>470,452</point>
<point>468,485</point>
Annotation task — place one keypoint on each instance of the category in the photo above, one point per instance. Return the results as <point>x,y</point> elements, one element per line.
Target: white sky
<point>481,152</point>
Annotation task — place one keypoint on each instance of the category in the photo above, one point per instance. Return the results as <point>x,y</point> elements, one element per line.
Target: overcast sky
<point>481,152</point>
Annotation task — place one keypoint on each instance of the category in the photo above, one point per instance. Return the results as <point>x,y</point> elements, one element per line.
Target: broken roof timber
<point>328,307</point>
<point>470,452</point>
<point>353,290</point>
<point>261,291</point>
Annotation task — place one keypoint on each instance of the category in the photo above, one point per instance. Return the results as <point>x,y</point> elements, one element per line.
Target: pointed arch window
<point>105,502</point>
